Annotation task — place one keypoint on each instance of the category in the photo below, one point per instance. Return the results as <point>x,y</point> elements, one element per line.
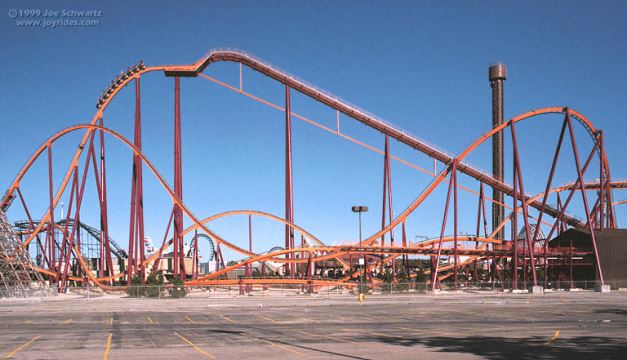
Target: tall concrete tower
<point>498,74</point>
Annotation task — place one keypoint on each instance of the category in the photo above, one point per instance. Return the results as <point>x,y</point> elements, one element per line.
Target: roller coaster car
<point>5,205</point>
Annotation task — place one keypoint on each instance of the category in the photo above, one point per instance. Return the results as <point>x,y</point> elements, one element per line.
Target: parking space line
<point>325,336</point>
<point>309,320</point>
<point>20,348</point>
<point>379,334</point>
<point>105,355</point>
<point>150,319</point>
<point>189,319</point>
<point>271,343</point>
<point>194,346</point>
<point>227,319</point>
<point>439,333</point>
<point>416,331</point>
<point>555,336</point>
<point>266,318</point>
<point>111,321</point>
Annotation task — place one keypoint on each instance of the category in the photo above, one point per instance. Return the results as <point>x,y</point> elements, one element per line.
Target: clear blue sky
<point>421,65</point>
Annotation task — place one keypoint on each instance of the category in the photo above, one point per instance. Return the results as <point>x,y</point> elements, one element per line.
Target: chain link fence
<point>170,291</point>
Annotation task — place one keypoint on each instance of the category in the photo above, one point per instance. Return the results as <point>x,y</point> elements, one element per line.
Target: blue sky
<point>420,65</point>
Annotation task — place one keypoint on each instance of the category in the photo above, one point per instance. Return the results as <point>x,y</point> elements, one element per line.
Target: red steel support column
<point>455,223</point>
<point>560,217</point>
<point>571,262</point>
<point>104,214</point>
<point>50,238</point>
<point>155,265</point>
<point>524,206</point>
<point>179,255</point>
<point>385,188</point>
<point>217,251</point>
<point>249,271</point>
<point>478,232</point>
<point>79,201</point>
<point>514,225</point>
<point>350,265</point>
<point>559,209</point>
<point>443,228</point>
<point>192,252</point>
<point>289,201</point>
<point>31,227</point>
<point>404,243</point>
<point>196,268</point>
<point>387,209</point>
<point>61,278</point>
<point>102,264</point>
<point>546,196</point>
<point>139,179</point>
<point>250,244</point>
<point>480,207</point>
<point>584,197</point>
<point>131,229</point>
<point>601,181</point>
<point>559,224</point>
<point>136,229</point>
<point>559,232</point>
<point>66,237</point>
<point>302,269</point>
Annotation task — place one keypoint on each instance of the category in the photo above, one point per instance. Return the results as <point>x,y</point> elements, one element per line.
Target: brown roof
<point>582,239</point>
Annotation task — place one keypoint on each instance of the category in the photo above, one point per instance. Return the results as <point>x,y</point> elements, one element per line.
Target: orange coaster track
<point>486,249</point>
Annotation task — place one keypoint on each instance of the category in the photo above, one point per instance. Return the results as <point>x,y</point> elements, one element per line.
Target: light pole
<point>359,210</point>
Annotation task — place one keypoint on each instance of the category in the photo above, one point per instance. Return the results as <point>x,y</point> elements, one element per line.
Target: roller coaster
<point>448,258</point>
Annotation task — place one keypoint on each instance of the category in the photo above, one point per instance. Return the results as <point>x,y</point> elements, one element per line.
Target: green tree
<point>136,289</point>
<point>402,279</point>
<point>387,280</point>
<point>154,285</point>
<point>177,290</point>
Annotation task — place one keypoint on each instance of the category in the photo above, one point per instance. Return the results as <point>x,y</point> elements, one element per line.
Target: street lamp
<point>359,210</point>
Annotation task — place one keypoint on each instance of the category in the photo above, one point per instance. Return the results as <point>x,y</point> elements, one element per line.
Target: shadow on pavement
<point>498,348</point>
<point>612,311</point>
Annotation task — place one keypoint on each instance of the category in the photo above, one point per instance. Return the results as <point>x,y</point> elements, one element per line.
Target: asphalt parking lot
<point>444,326</point>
